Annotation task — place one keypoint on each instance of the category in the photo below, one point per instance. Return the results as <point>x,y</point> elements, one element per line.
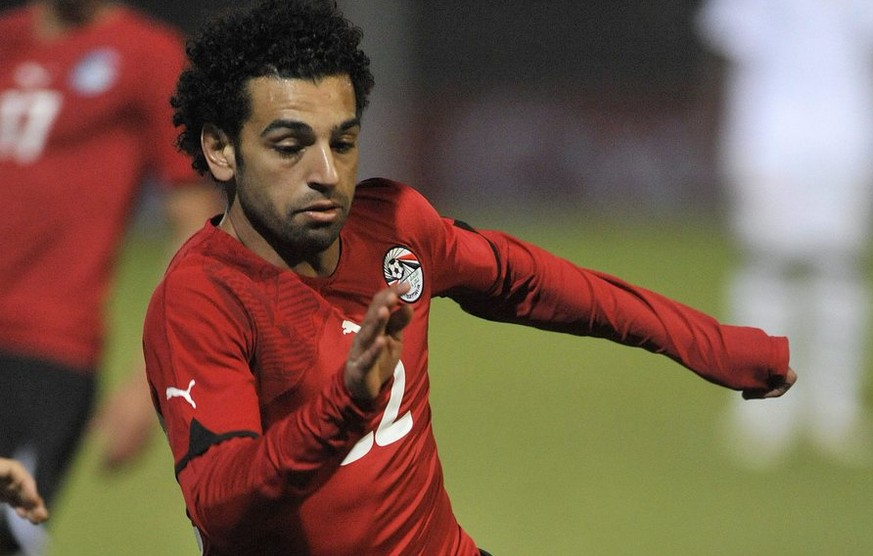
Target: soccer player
<point>18,489</point>
<point>286,346</point>
<point>84,119</point>
<point>797,159</point>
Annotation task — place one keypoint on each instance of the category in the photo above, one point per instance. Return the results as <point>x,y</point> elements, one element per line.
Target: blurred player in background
<point>18,489</point>
<point>286,346</point>
<point>84,119</point>
<point>797,155</point>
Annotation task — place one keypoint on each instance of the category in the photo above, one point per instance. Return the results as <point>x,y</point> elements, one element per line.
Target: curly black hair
<point>305,39</point>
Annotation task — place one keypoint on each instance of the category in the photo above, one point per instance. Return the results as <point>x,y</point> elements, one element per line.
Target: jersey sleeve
<point>160,61</point>
<point>197,344</point>
<point>498,277</point>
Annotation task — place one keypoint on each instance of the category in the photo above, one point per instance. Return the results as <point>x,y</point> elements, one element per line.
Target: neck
<point>58,17</point>
<point>322,264</point>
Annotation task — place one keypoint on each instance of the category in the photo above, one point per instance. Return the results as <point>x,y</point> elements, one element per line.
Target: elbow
<point>227,499</point>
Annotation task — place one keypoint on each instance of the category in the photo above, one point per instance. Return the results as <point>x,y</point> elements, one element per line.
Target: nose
<point>323,170</point>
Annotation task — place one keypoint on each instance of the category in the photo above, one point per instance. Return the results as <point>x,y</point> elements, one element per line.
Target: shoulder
<point>212,263</point>
<point>203,264</point>
<point>202,289</point>
<point>21,15</point>
<point>143,24</point>
<point>214,255</point>
<point>391,220</point>
<point>145,36</point>
<point>16,23</point>
<point>187,273</point>
<point>387,199</point>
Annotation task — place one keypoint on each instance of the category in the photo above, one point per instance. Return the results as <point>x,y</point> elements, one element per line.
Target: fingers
<point>377,345</point>
<point>18,488</point>
<point>777,389</point>
<point>386,314</point>
<point>380,312</point>
<point>398,320</point>
<point>365,359</point>
<point>125,423</point>
<point>33,509</point>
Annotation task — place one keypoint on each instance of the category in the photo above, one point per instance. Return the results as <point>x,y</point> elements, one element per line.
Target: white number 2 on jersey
<point>26,118</point>
<point>390,429</point>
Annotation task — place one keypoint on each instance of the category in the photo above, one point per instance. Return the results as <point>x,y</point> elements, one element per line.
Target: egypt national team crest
<point>401,265</point>
<point>96,72</point>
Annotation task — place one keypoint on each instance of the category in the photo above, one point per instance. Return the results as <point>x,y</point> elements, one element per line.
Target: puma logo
<point>350,328</point>
<point>173,392</point>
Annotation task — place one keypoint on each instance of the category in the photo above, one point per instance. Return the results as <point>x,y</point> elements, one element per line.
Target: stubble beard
<point>293,242</point>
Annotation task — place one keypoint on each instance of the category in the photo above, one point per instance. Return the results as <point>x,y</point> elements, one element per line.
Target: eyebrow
<point>300,127</point>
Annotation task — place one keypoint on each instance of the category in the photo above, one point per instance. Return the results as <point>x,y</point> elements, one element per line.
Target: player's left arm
<point>498,277</point>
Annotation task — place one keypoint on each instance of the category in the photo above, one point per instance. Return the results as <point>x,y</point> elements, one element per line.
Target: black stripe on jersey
<point>464,226</point>
<point>201,439</point>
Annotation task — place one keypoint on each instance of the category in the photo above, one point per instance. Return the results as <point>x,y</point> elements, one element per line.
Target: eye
<point>288,150</point>
<point>343,146</point>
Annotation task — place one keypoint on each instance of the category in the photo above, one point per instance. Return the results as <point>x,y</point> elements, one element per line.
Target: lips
<point>321,206</point>
<point>323,212</point>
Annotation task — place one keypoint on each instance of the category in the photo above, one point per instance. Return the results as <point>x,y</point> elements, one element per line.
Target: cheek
<point>349,171</point>
<point>267,180</point>
<point>256,188</point>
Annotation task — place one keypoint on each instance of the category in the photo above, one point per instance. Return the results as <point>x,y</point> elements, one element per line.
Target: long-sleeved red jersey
<point>245,361</point>
<point>84,119</point>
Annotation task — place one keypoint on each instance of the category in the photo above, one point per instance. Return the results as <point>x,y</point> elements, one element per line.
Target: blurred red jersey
<point>84,118</point>
<point>245,362</point>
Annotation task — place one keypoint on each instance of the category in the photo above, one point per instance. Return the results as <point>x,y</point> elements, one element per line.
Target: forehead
<point>329,100</point>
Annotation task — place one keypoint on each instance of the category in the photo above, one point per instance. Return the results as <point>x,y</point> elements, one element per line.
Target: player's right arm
<point>198,343</point>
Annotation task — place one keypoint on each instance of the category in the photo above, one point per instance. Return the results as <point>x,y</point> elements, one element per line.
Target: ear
<point>219,152</point>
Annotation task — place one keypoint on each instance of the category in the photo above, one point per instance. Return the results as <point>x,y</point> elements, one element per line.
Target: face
<point>294,169</point>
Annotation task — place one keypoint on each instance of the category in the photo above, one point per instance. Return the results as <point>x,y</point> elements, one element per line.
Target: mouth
<point>323,212</point>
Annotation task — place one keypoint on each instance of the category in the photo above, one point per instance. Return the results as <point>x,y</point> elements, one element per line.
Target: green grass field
<point>551,444</point>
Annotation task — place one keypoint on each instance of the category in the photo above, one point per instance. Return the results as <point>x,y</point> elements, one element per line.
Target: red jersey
<point>83,119</point>
<point>246,361</point>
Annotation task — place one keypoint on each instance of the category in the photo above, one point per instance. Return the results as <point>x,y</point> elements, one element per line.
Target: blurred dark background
<point>506,104</point>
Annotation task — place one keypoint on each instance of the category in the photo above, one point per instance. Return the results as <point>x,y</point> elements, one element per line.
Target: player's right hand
<point>378,344</point>
<point>125,422</point>
<point>778,387</point>
<point>18,488</point>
